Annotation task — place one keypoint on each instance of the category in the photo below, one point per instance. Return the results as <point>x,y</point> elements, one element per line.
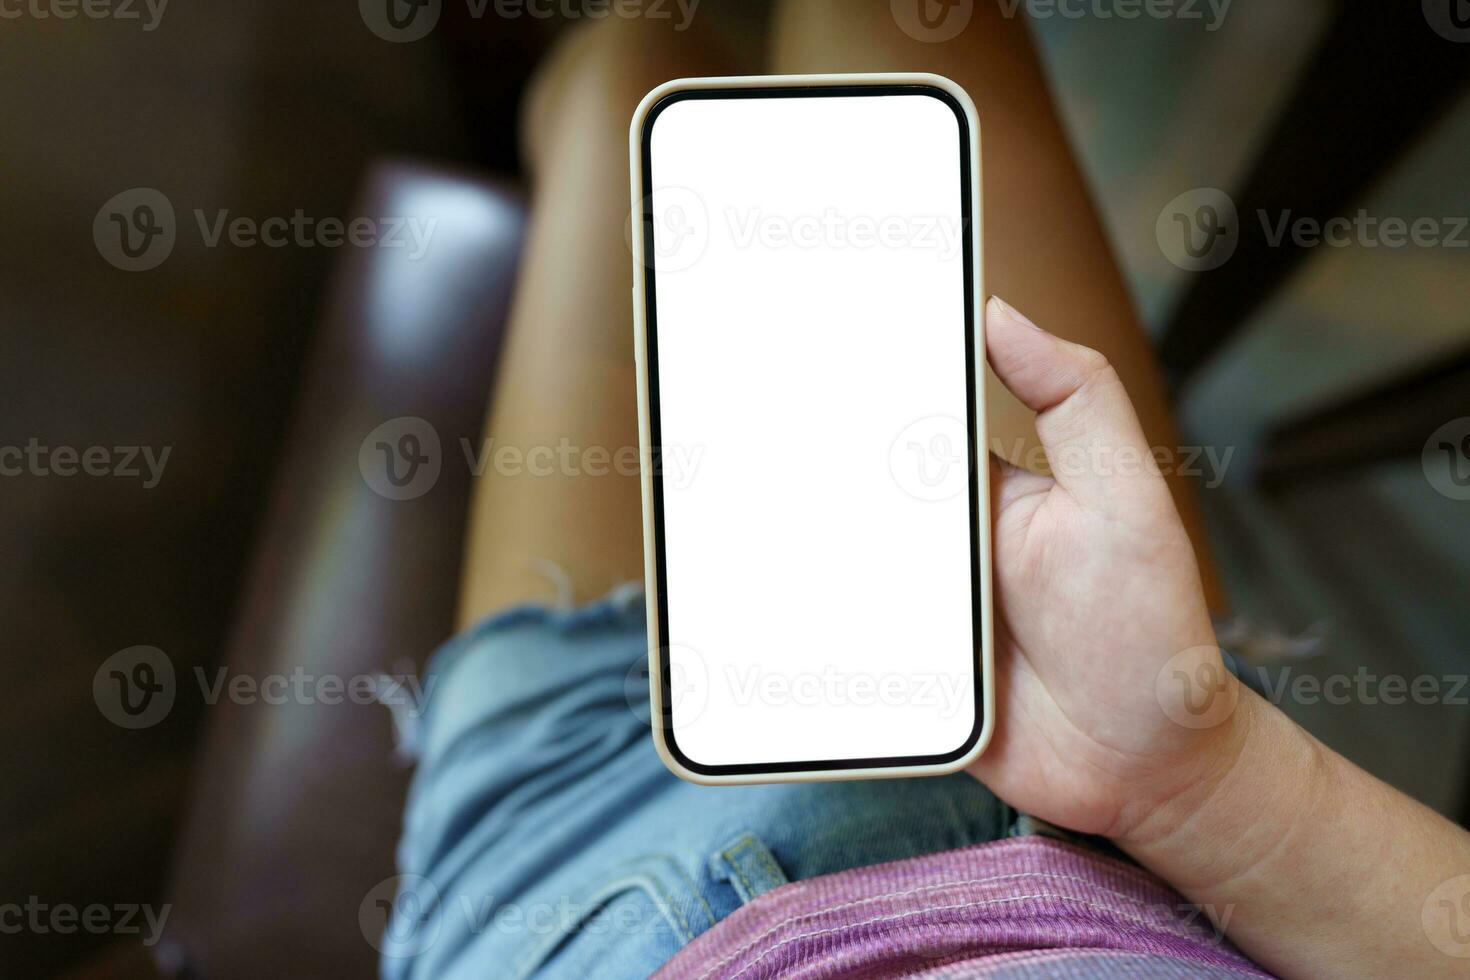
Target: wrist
<point>1259,778</point>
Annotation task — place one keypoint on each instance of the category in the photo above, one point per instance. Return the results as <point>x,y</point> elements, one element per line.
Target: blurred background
<point>204,588</point>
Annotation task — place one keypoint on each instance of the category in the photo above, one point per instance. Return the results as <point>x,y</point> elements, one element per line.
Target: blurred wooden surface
<point>261,109</point>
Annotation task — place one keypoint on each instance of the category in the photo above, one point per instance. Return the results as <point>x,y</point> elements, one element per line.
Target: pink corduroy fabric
<point>1021,907</point>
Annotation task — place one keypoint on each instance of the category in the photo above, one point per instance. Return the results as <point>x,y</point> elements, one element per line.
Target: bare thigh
<point>564,413</point>
<point>1045,249</point>
<point>564,405</point>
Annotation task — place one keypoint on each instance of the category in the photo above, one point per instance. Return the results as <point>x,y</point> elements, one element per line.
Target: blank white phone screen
<point>810,394</point>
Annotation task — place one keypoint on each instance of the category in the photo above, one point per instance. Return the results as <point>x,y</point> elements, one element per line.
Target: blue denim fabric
<point>543,835</point>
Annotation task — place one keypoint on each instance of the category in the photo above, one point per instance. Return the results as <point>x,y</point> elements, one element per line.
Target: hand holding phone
<point>1117,700</point>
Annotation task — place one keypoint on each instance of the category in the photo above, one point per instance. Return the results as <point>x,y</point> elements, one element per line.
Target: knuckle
<point>1092,363</point>
<point>1098,383</point>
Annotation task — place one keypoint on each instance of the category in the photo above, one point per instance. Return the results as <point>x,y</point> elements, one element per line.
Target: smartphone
<point>809,350</point>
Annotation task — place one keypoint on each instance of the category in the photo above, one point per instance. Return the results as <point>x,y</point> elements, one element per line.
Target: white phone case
<point>985,656</point>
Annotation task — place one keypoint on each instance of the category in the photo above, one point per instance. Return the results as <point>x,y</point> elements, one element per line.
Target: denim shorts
<point>543,836</point>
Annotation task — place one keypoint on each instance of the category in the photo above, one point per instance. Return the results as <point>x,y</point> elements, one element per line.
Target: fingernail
<point>1001,306</point>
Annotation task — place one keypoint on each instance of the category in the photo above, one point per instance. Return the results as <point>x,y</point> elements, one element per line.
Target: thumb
<point>1093,442</point>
